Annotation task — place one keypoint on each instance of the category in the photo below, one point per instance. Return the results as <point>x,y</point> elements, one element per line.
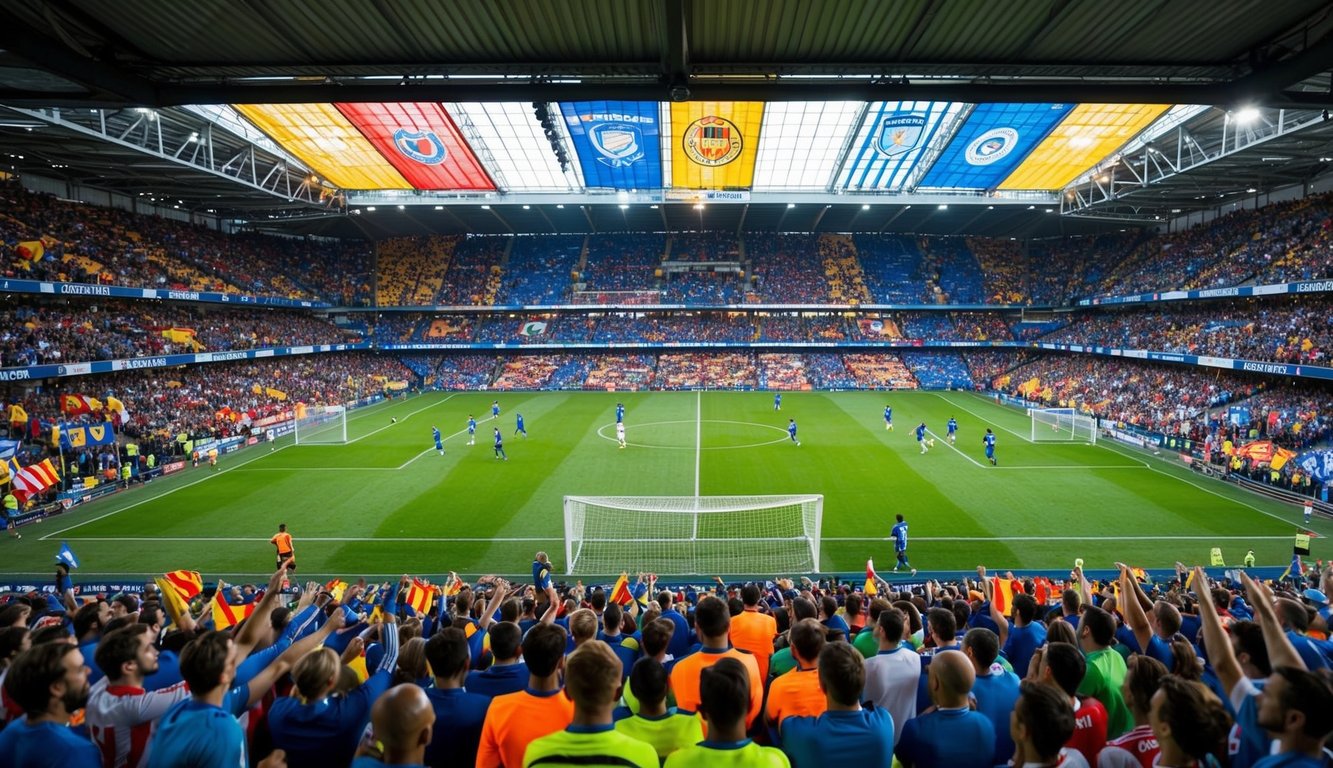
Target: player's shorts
<point>438,446</point>
<point>291,566</point>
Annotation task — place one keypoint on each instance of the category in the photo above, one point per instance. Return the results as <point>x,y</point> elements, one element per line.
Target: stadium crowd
<point>50,239</point>
<point>976,672</point>
<point>74,330</point>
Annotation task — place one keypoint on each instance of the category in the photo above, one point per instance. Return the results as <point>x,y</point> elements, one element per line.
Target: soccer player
<point>283,541</point>
<point>620,412</point>
<point>921,437</point>
<point>520,430</point>
<point>791,431</point>
<point>1309,510</point>
<point>620,433</point>
<point>495,409</point>
<point>989,442</point>
<point>888,417</point>
<point>499,445</point>
<point>899,534</point>
<point>213,458</point>
<point>471,430</point>
<point>439,445</point>
<point>777,401</point>
<point>952,427</point>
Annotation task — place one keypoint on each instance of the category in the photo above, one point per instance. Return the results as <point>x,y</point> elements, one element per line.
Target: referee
<point>283,541</point>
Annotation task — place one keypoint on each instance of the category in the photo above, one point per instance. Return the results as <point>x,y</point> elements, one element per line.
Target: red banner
<point>422,143</point>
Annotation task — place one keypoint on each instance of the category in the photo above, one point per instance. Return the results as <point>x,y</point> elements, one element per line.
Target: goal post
<point>1062,425</point>
<point>693,535</point>
<point>322,425</point>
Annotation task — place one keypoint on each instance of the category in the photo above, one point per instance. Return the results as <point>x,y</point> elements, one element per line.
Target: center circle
<point>681,435</point>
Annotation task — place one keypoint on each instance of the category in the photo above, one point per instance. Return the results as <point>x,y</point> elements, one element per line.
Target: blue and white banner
<point>123,292</point>
<point>991,143</point>
<point>1317,464</point>
<point>1239,291</point>
<point>166,361</point>
<point>618,142</point>
<point>892,139</point>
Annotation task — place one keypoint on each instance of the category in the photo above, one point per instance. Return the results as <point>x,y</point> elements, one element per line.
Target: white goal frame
<point>322,425</point>
<point>693,535</point>
<point>1062,425</point>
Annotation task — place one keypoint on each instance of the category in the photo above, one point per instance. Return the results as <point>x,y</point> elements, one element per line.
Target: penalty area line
<point>316,538</point>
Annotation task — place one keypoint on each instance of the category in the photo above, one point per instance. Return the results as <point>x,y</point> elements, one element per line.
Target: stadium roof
<point>743,106</point>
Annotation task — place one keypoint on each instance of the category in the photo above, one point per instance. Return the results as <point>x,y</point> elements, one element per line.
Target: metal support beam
<point>21,39</point>
<point>676,50</point>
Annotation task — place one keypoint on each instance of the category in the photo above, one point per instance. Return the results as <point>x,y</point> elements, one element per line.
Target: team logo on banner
<point>619,144</point>
<point>423,146</point>
<point>991,147</point>
<point>900,133</point>
<point>713,141</point>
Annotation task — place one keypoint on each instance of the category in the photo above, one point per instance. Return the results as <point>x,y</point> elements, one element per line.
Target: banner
<point>86,436</point>
<point>1090,134</point>
<point>77,404</point>
<point>123,292</point>
<point>618,143</point>
<point>891,141</point>
<point>714,143</point>
<point>991,143</point>
<point>533,328</point>
<point>420,140</point>
<point>1318,464</point>
<point>326,141</point>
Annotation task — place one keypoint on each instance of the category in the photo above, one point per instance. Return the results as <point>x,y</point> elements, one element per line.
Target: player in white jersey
<point>620,433</point>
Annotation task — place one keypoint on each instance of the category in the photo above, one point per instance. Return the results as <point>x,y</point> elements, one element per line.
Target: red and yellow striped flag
<point>186,584</point>
<point>620,594</point>
<point>226,615</point>
<point>420,596</point>
<point>870,588</point>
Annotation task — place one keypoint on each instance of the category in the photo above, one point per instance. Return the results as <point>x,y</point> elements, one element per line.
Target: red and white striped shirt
<point>1136,749</point>
<point>121,719</point>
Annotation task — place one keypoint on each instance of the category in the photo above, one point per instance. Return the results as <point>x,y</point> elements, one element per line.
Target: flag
<point>1139,574</point>
<point>30,481</point>
<point>186,584</point>
<point>119,413</point>
<point>1302,546</point>
<point>454,586</point>
<point>420,596</point>
<point>532,328</point>
<point>336,587</point>
<point>11,469</point>
<point>171,599</point>
<point>9,447</point>
<point>17,415</point>
<point>226,615</point>
<point>77,404</point>
<point>1043,589</point>
<point>871,589</point>
<point>66,555</point>
<point>1002,595</point>
<point>620,594</point>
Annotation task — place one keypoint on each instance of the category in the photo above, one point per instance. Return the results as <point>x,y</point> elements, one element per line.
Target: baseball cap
<point>1315,596</point>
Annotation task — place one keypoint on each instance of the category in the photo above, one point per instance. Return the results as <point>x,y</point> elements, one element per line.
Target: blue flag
<point>66,556</point>
<point>8,448</point>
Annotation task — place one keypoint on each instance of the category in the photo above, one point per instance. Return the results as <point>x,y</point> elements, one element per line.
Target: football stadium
<point>627,382</point>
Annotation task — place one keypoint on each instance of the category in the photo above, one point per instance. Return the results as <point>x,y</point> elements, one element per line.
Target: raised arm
<point>1132,610</point>
<point>1281,653</point>
<point>498,596</point>
<point>1001,621</point>
<point>1220,653</point>
<point>249,636</point>
<point>261,683</point>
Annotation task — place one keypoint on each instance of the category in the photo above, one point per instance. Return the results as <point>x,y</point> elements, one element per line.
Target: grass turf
<point>388,503</point>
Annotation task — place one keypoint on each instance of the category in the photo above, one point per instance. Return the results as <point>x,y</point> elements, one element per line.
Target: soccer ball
<point>394,420</point>
<point>931,442</point>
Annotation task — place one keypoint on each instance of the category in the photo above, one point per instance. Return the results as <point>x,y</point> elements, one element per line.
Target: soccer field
<point>387,503</point>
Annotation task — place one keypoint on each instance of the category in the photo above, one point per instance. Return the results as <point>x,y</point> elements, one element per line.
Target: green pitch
<point>387,503</point>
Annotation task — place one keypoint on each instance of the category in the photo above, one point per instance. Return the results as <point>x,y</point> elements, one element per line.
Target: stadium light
<point>943,207</point>
<point>1247,115</point>
<point>402,207</point>
<point>698,206</point>
<point>370,208</point>
<point>865,206</point>
<point>624,206</point>
<point>527,207</point>
<point>439,207</point>
<point>485,207</point>
<point>1251,190</point>
<point>790,206</point>
<point>560,206</point>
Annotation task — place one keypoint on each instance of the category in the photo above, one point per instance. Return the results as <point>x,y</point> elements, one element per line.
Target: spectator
<point>1189,722</point>
<point>402,724</point>
<point>893,673</point>
<point>507,673</point>
<point>953,734</point>
<point>459,713</point>
<point>593,680</point>
<point>1105,676</point>
<point>1042,724</point>
<point>516,719</point>
<point>726,704</point>
<point>995,689</point>
<point>1062,667</point>
<point>121,715</point>
<point>753,630</point>
<point>798,692</point>
<point>1138,748</point>
<point>713,623</point>
<point>49,682</point>
<point>665,728</point>
<point>862,737</point>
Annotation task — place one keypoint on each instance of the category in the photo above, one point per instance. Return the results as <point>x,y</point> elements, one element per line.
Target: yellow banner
<point>1088,135</point>
<point>714,143</point>
<point>276,394</point>
<point>327,142</point>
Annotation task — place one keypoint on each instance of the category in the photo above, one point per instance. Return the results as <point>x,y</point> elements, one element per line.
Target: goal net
<point>1062,425</point>
<point>322,425</point>
<point>689,535</point>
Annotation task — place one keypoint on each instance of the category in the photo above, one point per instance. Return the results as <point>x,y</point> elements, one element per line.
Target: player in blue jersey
<point>888,417</point>
<point>777,401</point>
<point>519,430</point>
<point>495,409</point>
<point>989,442</point>
<point>921,439</point>
<point>952,426</point>
<point>500,445</point>
<point>471,430</point>
<point>620,413</point>
<point>899,533</point>
<point>439,443</point>
<point>791,431</point>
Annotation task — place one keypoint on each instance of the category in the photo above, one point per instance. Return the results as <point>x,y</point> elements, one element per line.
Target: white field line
<point>405,418</point>
<point>698,436</point>
<point>955,450</point>
<point>1026,438</point>
<point>502,540</point>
